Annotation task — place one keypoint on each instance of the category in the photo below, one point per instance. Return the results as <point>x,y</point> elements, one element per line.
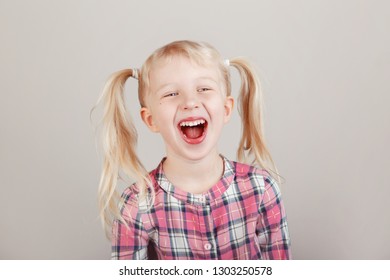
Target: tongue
<point>193,132</point>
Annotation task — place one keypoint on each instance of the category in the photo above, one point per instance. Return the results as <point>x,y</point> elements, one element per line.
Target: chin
<point>199,153</point>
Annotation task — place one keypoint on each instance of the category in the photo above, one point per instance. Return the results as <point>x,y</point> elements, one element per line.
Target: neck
<point>194,176</point>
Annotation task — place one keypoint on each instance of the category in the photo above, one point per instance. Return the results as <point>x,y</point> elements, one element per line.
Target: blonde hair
<point>120,136</point>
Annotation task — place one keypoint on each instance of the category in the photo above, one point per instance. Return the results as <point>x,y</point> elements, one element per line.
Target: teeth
<point>192,123</point>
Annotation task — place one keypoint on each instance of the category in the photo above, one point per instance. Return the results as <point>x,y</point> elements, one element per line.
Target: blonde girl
<point>196,204</point>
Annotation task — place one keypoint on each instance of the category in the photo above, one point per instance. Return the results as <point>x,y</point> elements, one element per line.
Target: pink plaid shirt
<point>240,217</point>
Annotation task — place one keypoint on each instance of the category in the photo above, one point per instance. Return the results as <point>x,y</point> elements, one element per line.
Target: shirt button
<point>202,199</point>
<point>207,246</point>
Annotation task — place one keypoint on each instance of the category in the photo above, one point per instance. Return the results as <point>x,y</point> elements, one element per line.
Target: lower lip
<point>195,140</point>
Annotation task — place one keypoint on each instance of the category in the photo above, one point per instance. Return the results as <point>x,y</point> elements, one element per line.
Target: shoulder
<point>255,177</point>
<point>260,183</point>
<point>133,197</point>
<point>244,172</point>
<point>128,203</point>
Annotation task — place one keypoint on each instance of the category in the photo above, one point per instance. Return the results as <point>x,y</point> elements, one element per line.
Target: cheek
<point>217,106</point>
<point>163,114</point>
<point>217,114</point>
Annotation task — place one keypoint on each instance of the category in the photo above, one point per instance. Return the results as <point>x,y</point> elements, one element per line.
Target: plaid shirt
<point>240,217</point>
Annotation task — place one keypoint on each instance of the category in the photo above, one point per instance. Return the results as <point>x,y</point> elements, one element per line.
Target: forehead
<point>175,69</point>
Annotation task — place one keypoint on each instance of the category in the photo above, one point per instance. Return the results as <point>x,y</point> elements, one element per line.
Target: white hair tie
<point>135,73</point>
<point>227,62</point>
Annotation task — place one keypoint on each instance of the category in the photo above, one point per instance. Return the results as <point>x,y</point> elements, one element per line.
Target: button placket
<point>202,199</point>
<point>207,246</point>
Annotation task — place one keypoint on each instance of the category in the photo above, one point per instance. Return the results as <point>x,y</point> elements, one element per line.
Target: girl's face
<point>188,106</point>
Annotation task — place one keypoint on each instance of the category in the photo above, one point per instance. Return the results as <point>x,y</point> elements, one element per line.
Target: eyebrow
<point>207,78</point>
<point>197,79</point>
<point>164,86</point>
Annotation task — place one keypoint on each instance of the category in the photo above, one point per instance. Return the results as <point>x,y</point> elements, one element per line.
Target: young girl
<point>196,204</point>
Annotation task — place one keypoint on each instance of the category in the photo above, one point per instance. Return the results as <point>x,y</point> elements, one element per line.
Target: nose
<point>190,101</point>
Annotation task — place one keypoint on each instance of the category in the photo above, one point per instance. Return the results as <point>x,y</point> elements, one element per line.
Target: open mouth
<point>193,131</point>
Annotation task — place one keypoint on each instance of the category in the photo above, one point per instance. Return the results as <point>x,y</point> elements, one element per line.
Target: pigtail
<point>252,145</point>
<point>119,149</point>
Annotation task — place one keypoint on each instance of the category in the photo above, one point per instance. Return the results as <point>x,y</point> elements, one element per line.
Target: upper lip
<point>191,120</point>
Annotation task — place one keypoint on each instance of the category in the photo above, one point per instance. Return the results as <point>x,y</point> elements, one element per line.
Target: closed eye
<point>171,94</point>
<point>204,89</point>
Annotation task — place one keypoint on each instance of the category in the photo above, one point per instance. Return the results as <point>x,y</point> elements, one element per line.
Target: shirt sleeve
<point>272,230</point>
<point>129,241</point>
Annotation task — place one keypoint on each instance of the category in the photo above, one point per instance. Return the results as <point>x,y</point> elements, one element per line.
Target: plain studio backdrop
<point>325,68</point>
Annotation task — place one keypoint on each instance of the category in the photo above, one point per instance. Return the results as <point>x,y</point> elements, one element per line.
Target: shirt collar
<point>198,199</point>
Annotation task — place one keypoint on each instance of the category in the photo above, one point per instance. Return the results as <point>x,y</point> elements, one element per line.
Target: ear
<point>229,104</point>
<point>147,117</point>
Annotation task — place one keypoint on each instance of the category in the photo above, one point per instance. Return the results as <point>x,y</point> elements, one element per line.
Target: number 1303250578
<point>242,270</point>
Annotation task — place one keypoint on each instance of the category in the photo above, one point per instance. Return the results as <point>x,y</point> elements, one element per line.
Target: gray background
<point>325,69</point>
